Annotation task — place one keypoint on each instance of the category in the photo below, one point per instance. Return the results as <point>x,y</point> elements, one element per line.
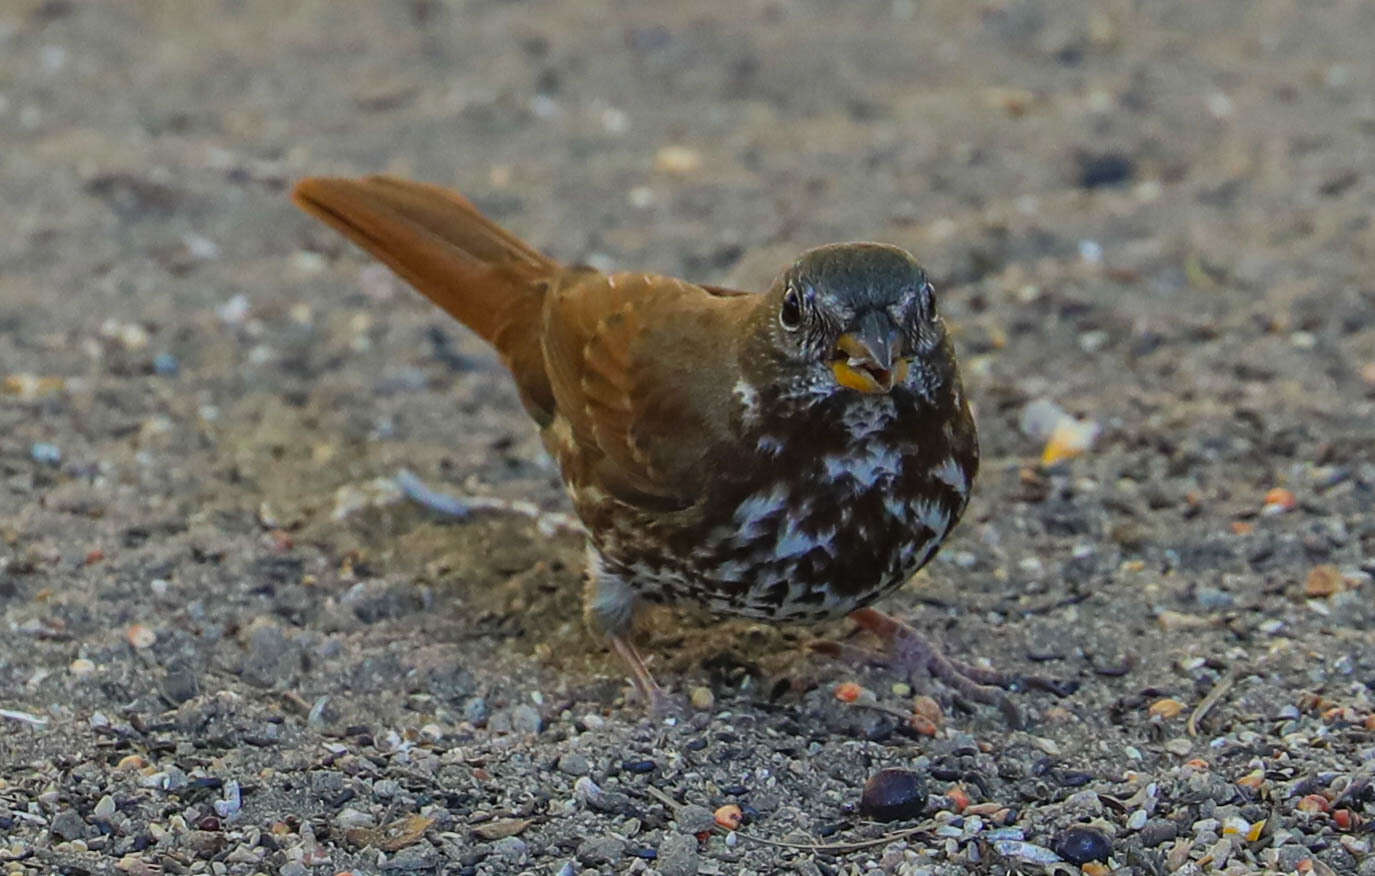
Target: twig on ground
<point>548,522</point>
<point>23,717</point>
<point>840,847</point>
<point>1219,690</point>
<point>887,710</point>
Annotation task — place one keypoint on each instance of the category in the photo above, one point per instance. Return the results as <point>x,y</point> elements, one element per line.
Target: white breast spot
<point>949,472</point>
<point>933,516</point>
<point>769,444</point>
<point>749,398</point>
<point>752,512</point>
<point>877,461</point>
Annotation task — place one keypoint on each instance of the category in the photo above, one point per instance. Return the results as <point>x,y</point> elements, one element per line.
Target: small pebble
<point>349,817</point>
<point>166,365</point>
<point>1235,825</point>
<point>232,801</point>
<point>526,719</point>
<point>235,310</point>
<point>1026,851</point>
<point>1214,598</point>
<point>678,159</point>
<point>46,454</point>
<point>1278,501</point>
<point>511,848</point>
<point>140,636</point>
<point>703,700</point>
<point>586,790</point>
<point>893,794</point>
<point>1005,833</point>
<point>573,764</point>
<point>729,816</point>
<point>1039,418</point>
<point>1323,581</point>
<point>1080,844</point>
<point>694,819</point>
<point>1166,708</point>
<point>67,825</point>
<point>848,691</point>
<point>678,855</point>
<point>1157,831</point>
<point>104,808</point>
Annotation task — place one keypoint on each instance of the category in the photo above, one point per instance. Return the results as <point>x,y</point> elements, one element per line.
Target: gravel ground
<point>230,646</point>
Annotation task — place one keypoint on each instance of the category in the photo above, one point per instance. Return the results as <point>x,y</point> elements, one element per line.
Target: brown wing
<point>641,368</point>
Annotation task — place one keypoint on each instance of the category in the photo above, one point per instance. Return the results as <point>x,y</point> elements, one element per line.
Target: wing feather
<point>639,367</point>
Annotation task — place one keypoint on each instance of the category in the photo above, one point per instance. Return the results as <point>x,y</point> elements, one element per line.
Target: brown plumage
<point>791,455</point>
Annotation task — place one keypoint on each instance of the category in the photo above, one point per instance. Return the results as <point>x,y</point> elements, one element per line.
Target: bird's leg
<point>918,655</point>
<point>659,702</point>
<point>610,608</point>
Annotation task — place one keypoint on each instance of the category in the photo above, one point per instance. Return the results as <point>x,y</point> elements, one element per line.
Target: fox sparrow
<point>791,456</point>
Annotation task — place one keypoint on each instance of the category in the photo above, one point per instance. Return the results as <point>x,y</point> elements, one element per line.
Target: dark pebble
<point>945,773</point>
<point>1074,778</point>
<point>1108,169</point>
<point>1359,792</point>
<point>612,803</point>
<point>696,744</point>
<point>342,797</point>
<point>205,843</point>
<point>68,825</point>
<point>1157,831</point>
<point>1060,687</point>
<point>166,365</point>
<point>639,767</point>
<point>1079,845</point>
<point>180,685</point>
<point>893,794</point>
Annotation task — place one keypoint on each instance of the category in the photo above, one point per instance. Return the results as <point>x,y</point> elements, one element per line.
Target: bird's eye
<point>790,314</point>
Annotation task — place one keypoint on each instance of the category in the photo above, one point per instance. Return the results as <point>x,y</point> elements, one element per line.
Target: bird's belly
<point>778,557</point>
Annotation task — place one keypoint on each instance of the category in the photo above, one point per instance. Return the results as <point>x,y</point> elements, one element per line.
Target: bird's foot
<point>548,522</point>
<point>660,703</point>
<point>924,661</point>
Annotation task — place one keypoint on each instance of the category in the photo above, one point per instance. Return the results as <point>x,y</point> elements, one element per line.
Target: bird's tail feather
<point>437,241</point>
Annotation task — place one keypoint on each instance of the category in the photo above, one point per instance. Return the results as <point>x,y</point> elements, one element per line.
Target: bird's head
<point>855,317</point>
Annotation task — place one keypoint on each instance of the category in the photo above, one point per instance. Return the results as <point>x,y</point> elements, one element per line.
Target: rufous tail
<point>436,240</point>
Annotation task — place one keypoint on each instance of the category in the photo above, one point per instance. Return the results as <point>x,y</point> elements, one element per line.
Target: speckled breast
<point>809,526</point>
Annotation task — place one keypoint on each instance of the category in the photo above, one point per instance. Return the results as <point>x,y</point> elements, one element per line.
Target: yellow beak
<point>866,380</point>
<point>855,367</point>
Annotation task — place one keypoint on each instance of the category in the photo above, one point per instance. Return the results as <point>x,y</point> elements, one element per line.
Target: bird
<point>791,455</point>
